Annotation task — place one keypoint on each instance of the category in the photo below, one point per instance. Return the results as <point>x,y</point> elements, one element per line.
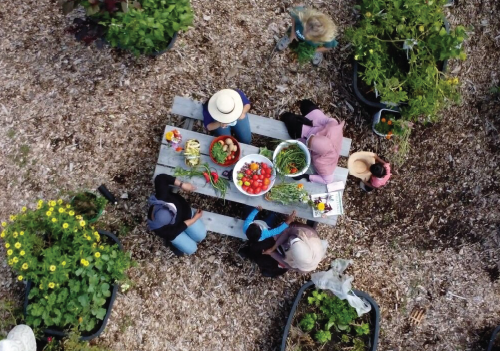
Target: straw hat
<point>225,106</point>
<point>21,338</point>
<point>359,164</point>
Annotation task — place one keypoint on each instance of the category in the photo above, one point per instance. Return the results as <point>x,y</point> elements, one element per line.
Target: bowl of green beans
<point>291,158</point>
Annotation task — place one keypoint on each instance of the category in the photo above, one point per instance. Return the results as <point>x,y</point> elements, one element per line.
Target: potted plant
<point>69,266</point>
<point>400,52</point>
<point>319,319</point>
<point>143,27</point>
<point>387,123</point>
<point>88,205</point>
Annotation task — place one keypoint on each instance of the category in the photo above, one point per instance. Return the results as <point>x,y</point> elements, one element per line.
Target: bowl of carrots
<point>225,151</point>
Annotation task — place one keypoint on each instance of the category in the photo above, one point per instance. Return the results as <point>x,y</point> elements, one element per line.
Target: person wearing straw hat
<point>226,112</point>
<point>298,248</point>
<point>371,169</point>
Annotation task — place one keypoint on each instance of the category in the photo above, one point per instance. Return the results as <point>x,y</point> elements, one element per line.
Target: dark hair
<point>253,233</point>
<point>378,170</point>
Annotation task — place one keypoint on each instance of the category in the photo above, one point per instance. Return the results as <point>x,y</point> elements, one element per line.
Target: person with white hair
<point>298,248</point>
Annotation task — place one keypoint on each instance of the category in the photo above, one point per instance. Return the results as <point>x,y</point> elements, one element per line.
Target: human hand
<point>291,217</point>
<point>223,125</point>
<point>188,187</point>
<point>259,208</point>
<point>198,214</point>
<point>243,115</point>
<point>292,36</point>
<point>269,251</point>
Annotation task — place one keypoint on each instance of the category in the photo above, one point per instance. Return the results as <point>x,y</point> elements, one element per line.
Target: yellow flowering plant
<point>71,277</point>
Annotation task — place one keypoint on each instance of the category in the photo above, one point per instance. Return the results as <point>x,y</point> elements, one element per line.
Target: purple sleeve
<point>207,117</point>
<point>318,118</point>
<point>244,98</point>
<point>316,178</point>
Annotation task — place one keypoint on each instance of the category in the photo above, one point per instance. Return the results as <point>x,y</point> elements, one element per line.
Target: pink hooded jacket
<point>325,146</point>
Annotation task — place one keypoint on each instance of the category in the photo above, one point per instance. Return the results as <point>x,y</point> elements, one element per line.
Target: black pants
<point>294,123</point>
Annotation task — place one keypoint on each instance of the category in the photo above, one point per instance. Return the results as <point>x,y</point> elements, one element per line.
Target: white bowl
<point>249,159</point>
<point>303,147</point>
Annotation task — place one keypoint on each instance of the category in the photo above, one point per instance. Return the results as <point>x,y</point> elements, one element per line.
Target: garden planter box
<point>376,119</point>
<point>85,336</point>
<point>374,316</point>
<point>97,216</point>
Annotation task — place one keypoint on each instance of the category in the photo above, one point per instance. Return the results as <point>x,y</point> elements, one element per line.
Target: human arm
<point>184,186</point>
<point>214,125</point>
<point>379,160</point>
<point>322,49</point>
<point>321,179</point>
<point>246,108</point>
<point>250,219</point>
<point>280,259</point>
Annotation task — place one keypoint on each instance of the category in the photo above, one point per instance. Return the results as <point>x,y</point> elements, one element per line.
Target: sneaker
<point>283,43</point>
<point>317,58</point>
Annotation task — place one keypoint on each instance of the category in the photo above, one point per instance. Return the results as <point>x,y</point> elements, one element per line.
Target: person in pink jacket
<point>321,134</point>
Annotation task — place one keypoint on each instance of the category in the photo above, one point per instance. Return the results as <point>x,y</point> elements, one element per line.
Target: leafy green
<point>303,51</point>
<point>363,329</point>
<point>218,153</point>
<point>307,323</point>
<point>323,336</point>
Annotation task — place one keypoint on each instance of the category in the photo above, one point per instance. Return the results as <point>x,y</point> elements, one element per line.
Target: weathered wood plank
<point>259,125</point>
<point>205,141</point>
<point>223,225</point>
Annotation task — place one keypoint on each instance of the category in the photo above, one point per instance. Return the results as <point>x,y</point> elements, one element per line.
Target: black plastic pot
<point>85,336</point>
<point>494,337</point>
<point>374,315</point>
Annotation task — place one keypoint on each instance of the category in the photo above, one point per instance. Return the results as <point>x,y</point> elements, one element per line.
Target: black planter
<point>85,336</point>
<point>494,337</point>
<point>374,315</point>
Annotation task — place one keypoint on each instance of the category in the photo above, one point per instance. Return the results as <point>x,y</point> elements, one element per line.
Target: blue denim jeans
<point>187,240</point>
<point>241,130</point>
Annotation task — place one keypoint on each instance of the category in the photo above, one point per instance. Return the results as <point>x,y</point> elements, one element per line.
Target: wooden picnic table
<point>169,159</point>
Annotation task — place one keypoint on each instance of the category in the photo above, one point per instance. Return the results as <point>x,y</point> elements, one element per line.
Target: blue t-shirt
<point>299,30</point>
<point>207,117</point>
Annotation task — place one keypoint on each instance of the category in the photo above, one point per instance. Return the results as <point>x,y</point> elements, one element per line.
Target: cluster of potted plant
<point>401,51</point>
<point>70,267</point>
<point>141,26</point>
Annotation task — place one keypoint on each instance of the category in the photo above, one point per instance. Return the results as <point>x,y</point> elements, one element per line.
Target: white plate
<point>249,159</point>
<point>303,147</point>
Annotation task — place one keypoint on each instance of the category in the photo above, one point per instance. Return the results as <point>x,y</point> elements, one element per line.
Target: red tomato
<point>244,187</point>
<point>264,187</point>
<point>255,177</point>
<point>264,165</point>
<point>267,181</point>
<point>244,179</point>
<point>250,190</point>
<point>269,171</point>
<point>248,172</point>
<point>258,190</point>
<point>261,176</point>
<point>255,184</point>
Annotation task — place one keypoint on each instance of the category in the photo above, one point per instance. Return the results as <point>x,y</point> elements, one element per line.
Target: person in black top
<point>171,218</point>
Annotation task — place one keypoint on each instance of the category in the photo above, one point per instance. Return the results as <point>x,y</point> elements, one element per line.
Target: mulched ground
<point>74,117</point>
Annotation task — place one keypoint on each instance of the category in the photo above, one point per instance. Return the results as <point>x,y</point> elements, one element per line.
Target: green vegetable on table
<point>287,193</point>
<point>264,151</point>
<point>219,154</point>
<point>290,160</point>
<point>220,185</point>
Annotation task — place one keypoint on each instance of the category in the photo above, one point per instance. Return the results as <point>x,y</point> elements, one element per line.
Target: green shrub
<point>71,268</point>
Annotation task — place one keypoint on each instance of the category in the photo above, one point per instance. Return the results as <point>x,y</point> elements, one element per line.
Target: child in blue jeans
<point>258,230</point>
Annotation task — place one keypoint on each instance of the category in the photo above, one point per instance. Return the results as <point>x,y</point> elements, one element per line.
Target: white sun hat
<point>21,338</point>
<point>225,106</point>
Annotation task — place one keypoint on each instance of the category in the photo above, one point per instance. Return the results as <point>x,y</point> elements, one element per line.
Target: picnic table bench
<point>169,159</point>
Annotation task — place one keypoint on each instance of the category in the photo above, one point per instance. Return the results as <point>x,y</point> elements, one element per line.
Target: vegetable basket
<point>192,153</point>
<point>286,144</point>
<point>235,155</point>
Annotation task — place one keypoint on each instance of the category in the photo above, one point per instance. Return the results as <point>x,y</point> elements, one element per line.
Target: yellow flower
<point>368,14</point>
<point>71,213</point>
<point>356,57</point>
<point>80,319</point>
<point>11,262</point>
<point>78,217</point>
<point>321,206</point>
<point>25,266</point>
<point>98,237</point>
<point>65,225</point>
<point>2,235</point>
<point>88,237</point>
<point>17,245</point>
<point>4,224</point>
<point>82,261</point>
<point>41,286</point>
<point>51,209</point>
<point>14,235</point>
<point>94,245</point>
<point>455,80</point>
<point>54,220</point>
<point>101,247</point>
<point>82,223</point>
<point>371,51</point>
<point>52,268</point>
<point>421,28</point>
<point>61,210</point>
<point>22,253</point>
<point>68,206</point>
<point>52,203</point>
<point>7,245</point>
<point>24,209</point>
<point>11,217</point>
<point>63,263</point>
<point>39,206</point>
<point>59,201</point>
<point>9,252</point>
<point>51,285</point>
<point>20,278</point>
<point>21,233</point>
<point>15,259</point>
<point>86,263</point>
<point>97,254</point>
<point>40,202</point>
<point>48,213</point>
<point>169,136</point>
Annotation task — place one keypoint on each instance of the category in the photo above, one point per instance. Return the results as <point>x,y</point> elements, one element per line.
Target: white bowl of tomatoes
<point>254,175</point>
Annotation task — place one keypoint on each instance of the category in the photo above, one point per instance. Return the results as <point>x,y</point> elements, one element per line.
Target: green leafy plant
<point>218,153</point>
<point>9,315</point>
<point>363,329</point>
<point>323,336</point>
<point>71,343</point>
<point>303,51</point>
<point>307,323</point>
<point>287,193</point>
<point>70,266</point>
<point>88,205</point>
<point>149,26</point>
<point>400,45</point>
